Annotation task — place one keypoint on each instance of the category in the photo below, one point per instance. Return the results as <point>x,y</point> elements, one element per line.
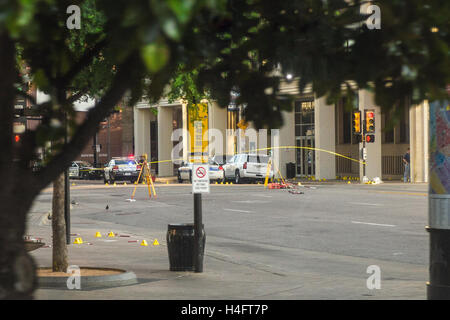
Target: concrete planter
<point>91,282</point>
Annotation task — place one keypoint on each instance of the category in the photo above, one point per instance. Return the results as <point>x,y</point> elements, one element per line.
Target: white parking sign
<point>200,178</point>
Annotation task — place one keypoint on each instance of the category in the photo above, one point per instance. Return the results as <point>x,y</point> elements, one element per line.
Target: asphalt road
<point>330,233</point>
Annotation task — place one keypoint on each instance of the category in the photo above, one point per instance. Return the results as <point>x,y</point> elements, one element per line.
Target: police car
<point>121,169</point>
<point>81,170</point>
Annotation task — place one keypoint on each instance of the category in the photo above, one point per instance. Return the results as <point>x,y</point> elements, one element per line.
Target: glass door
<point>305,137</point>
<point>306,156</point>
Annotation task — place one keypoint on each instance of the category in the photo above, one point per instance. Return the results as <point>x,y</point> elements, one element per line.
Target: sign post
<point>200,184</point>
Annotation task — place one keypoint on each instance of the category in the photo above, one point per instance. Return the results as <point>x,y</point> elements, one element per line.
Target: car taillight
<point>245,165</point>
<point>116,168</point>
<point>220,168</point>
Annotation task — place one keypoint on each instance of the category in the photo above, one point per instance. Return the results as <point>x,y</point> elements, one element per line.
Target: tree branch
<point>84,61</point>
<point>89,127</point>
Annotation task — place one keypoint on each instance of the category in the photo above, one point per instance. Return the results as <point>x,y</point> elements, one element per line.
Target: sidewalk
<point>223,277</point>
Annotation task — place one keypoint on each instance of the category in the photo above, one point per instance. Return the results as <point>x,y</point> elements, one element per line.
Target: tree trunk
<point>17,268</point>
<point>59,227</point>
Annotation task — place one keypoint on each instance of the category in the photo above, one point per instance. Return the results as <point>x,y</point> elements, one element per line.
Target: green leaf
<point>155,56</point>
<point>171,29</point>
<point>182,9</point>
<point>41,79</point>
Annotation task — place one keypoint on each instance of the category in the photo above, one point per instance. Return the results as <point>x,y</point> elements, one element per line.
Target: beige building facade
<point>316,137</point>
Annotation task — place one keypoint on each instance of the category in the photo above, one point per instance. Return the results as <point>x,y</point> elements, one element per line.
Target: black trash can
<point>290,170</point>
<point>180,245</point>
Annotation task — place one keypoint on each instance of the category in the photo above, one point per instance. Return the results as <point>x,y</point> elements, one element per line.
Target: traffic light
<point>370,121</point>
<point>370,138</point>
<point>356,122</point>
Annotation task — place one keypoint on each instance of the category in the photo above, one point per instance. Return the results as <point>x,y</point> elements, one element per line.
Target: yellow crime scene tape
<point>262,149</point>
<point>282,147</point>
<point>311,148</point>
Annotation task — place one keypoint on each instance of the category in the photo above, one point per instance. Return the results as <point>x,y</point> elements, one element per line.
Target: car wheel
<point>190,177</point>
<point>237,177</point>
<point>179,178</point>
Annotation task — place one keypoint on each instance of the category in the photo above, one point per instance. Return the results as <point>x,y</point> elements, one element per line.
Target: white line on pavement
<point>366,204</point>
<point>374,224</point>
<point>251,201</point>
<point>235,210</point>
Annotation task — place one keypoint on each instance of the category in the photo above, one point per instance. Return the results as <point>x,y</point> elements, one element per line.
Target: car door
<point>184,171</point>
<point>229,168</point>
<point>73,170</point>
<point>238,162</point>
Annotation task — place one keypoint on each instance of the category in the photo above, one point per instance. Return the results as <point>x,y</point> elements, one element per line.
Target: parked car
<point>215,171</point>
<point>82,170</point>
<point>121,169</point>
<point>249,167</point>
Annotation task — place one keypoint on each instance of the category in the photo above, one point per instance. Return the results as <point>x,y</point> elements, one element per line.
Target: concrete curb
<point>90,282</point>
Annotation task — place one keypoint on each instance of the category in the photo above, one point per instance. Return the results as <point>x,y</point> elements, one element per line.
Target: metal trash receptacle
<point>180,246</point>
<point>290,170</point>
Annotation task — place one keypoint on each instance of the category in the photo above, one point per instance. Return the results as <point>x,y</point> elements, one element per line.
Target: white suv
<point>246,166</point>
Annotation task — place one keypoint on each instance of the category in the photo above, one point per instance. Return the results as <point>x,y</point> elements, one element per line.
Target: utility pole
<point>364,153</point>
<point>200,184</point>
<point>109,138</point>
<point>438,288</point>
<point>94,148</point>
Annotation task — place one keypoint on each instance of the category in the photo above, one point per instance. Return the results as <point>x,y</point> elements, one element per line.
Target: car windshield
<point>221,159</point>
<point>84,164</point>
<point>263,159</point>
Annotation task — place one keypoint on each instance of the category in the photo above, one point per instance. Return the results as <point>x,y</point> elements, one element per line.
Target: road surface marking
<point>251,201</point>
<point>366,204</point>
<point>374,224</point>
<point>403,192</point>
<point>235,210</point>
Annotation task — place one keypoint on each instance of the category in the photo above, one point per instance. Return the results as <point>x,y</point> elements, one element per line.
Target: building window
<point>304,118</point>
<point>347,127</point>
<point>154,145</point>
<point>387,132</point>
<point>389,135</point>
<point>404,125</point>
